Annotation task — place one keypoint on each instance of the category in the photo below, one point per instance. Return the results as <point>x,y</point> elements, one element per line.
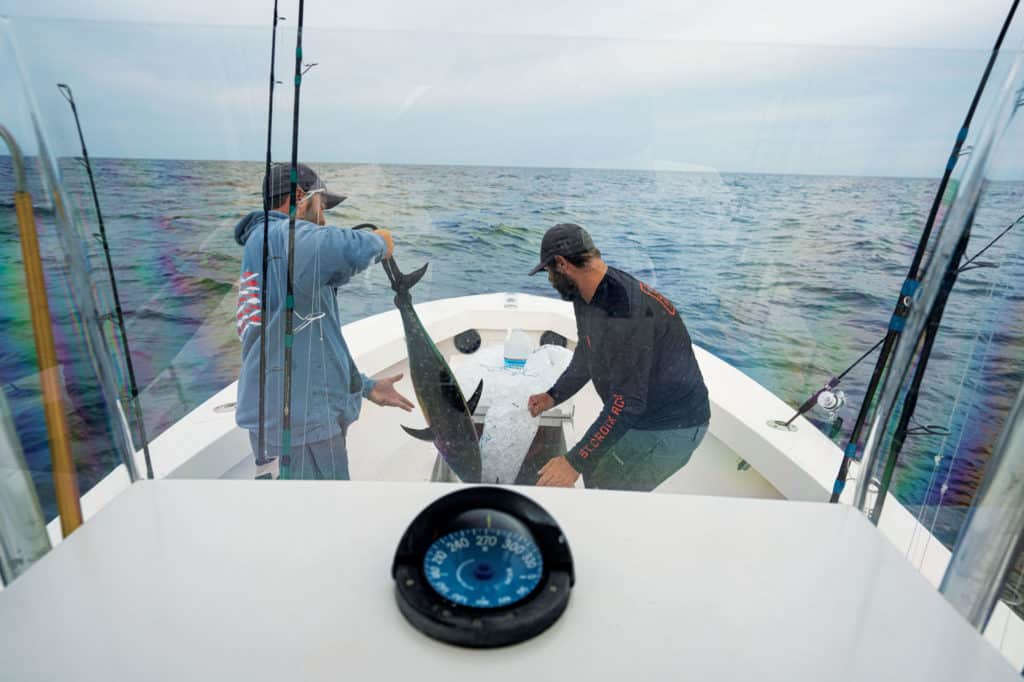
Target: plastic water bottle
<point>517,350</point>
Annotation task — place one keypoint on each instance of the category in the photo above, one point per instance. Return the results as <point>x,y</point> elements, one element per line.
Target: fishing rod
<point>824,390</point>
<point>289,311</point>
<point>807,405</point>
<point>133,387</point>
<point>953,270</point>
<point>261,440</point>
<point>970,264</point>
<point>910,285</point>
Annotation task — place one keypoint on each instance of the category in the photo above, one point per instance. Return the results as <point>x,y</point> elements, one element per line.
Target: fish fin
<point>401,282</point>
<point>410,280</point>
<point>475,398</point>
<point>450,390</point>
<point>426,434</point>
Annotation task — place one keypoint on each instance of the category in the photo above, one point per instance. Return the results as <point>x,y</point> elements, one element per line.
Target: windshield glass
<point>720,229</point>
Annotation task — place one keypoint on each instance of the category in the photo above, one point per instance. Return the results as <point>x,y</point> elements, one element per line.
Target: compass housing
<point>504,514</point>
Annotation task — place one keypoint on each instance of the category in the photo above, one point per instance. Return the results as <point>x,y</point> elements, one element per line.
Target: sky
<point>867,88</point>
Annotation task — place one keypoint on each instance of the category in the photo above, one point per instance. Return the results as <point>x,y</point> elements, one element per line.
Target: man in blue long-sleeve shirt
<point>327,388</point>
<point>633,345</point>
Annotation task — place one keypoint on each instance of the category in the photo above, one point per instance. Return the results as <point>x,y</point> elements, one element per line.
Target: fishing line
<point>956,452</point>
<point>309,363</point>
<point>937,459</point>
<point>931,331</point>
<point>968,263</point>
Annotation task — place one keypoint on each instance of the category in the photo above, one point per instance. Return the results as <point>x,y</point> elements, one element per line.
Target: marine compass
<point>483,567</point>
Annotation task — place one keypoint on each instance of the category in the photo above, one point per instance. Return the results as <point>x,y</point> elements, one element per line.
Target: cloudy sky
<point>874,87</point>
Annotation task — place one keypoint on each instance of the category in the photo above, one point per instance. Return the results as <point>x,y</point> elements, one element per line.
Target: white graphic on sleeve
<point>248,313</point>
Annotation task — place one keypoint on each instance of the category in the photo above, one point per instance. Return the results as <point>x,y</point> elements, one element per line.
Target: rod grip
<point>65,479</point>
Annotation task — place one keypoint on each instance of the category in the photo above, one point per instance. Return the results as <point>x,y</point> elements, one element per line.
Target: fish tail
<point>400,281</point>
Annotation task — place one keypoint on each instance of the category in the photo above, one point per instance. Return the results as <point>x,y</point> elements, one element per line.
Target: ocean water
<point>789,278</point>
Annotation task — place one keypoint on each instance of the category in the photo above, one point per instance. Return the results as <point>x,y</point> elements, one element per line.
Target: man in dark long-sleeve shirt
<point>633,345</point>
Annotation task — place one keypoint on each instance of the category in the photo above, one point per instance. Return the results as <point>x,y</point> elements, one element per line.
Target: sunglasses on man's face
<point>310,194</point>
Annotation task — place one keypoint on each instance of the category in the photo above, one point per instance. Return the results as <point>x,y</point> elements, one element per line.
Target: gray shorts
<point>642,460</point>
<point>324,459</point>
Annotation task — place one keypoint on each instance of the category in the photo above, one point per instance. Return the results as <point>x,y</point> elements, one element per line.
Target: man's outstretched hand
<point>385,394</point>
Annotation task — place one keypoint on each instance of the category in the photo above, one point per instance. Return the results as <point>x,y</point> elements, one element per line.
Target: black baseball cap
<point>308,180</point>
<point>564,239</point>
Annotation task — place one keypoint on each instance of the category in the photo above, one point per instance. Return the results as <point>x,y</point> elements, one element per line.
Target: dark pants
<point>642,460</point>
<point>324,459</point>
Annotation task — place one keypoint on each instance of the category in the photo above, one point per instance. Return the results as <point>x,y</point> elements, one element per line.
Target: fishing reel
<point>830,401</point>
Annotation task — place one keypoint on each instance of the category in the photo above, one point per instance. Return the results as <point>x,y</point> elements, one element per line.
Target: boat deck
<point>796,465</point>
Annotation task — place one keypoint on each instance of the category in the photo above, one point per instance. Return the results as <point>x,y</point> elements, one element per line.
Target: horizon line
<point>691,171</point>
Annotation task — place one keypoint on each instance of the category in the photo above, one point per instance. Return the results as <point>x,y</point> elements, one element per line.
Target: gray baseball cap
<point>308,180</point>
<point>564,239</point>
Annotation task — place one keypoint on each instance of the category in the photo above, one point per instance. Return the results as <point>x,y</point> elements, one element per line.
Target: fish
<point>449,415</point>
